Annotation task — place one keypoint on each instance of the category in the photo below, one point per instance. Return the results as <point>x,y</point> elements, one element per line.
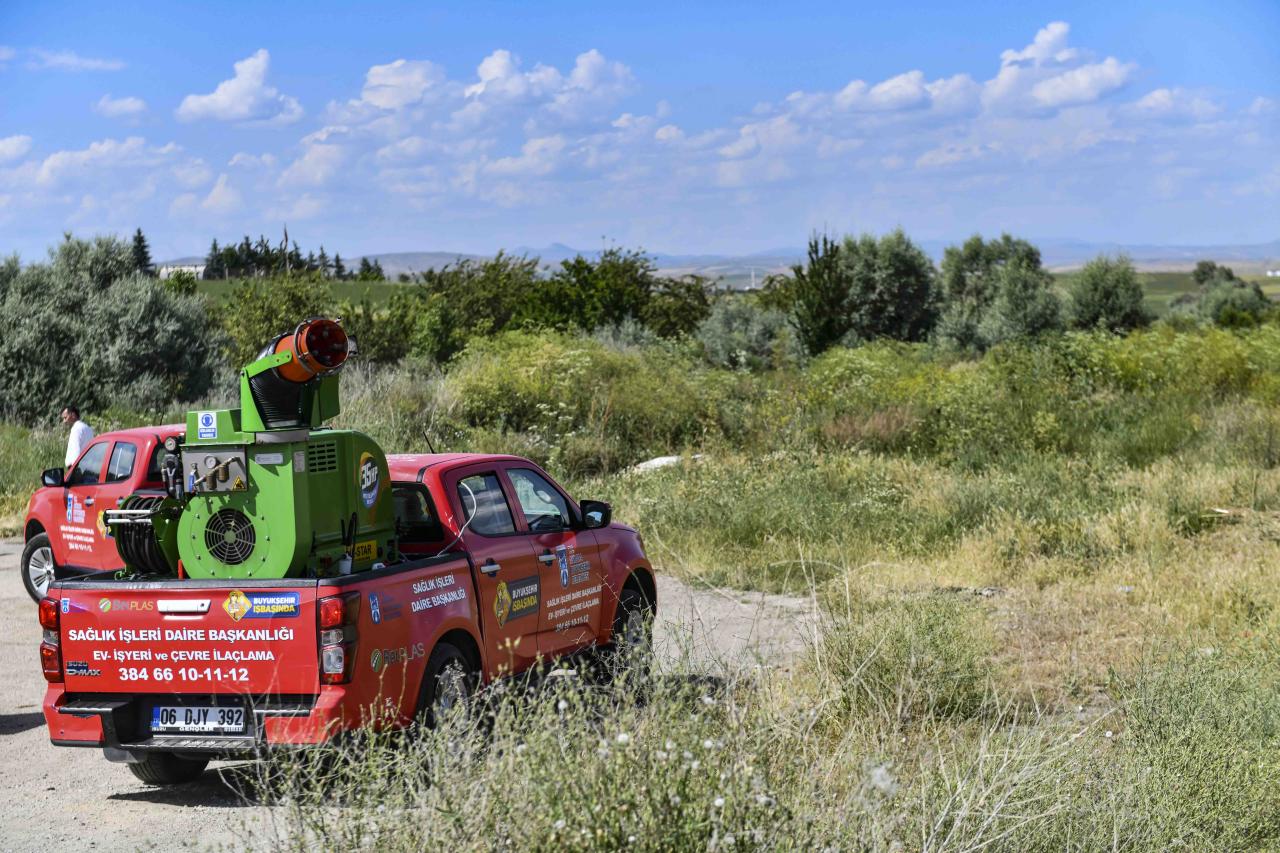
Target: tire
<point>37,566</point>
<point>165,768</point>
<point>448,685</point>
<point>631,646</point>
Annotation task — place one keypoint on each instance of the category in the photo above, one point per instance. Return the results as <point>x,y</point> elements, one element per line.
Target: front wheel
<point>165,768</point>
<point>37,566</point>
<point>631,649</point>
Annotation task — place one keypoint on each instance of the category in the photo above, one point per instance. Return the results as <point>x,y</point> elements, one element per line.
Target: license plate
<point>197,718</point>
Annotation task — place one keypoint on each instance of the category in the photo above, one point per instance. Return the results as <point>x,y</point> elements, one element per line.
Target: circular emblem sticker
<point>104,604</point>
<point>502,603</point>
<point>370,479</point>
<point>375,660</point>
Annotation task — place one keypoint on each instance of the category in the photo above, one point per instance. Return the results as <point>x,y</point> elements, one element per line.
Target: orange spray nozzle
<point>318,346</point>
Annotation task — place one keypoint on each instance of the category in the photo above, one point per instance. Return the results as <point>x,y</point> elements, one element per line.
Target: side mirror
<point>53,477</point>
<point>596,514</point>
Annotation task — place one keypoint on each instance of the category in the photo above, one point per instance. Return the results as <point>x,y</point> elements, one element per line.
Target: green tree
<point>1207,272</point>
<point>142,254</point>
<point>214,263</point>
<point>260,309</point>
<point>469,299</point>
<point>181,281</point>
<point>969,283</point>
<point>1024,305</point>
<point>587,294</point>
<point>1105,294</point>
<point>677,305</point>
<point>1234,303</point>
<point>891,288</point>
<point>817,295</point>
<point>95,263</point>
<point>130,340</point>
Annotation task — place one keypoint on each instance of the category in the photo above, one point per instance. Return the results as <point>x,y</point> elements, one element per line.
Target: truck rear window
<point>121,465</point>
<point>483,501</point>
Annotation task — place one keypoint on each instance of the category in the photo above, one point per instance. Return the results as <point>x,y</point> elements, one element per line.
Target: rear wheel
<point>37,566</point>
<point>165,768</point>
<point>448,685</point>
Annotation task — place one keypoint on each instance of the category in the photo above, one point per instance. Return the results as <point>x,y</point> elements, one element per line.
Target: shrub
<point>1024,306</point>
<point>70,333</point>
<point>260,309</point>
<point>739,335</point>
<point>1105,294</point>
<point>910,659</point>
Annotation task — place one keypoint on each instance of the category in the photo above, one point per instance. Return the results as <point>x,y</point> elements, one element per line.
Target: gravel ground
<point>74,799</point>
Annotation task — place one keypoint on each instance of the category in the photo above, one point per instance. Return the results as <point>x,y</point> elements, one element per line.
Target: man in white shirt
<point>81,434</point>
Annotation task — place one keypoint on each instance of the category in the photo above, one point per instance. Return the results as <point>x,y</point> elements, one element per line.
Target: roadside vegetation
<point>1039,524</point>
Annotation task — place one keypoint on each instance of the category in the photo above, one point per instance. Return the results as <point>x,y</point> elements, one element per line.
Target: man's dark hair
<point>73,410</point>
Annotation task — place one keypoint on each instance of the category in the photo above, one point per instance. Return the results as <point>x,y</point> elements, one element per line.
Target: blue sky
<point>678,127</point>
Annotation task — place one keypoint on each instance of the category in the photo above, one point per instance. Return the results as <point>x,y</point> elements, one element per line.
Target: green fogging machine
<point>266,491</point>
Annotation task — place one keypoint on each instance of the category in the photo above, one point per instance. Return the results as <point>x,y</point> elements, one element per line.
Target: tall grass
<point>1184,758</point>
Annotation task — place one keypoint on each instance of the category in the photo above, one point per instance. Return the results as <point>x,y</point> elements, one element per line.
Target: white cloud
<point>594,82</point>
<point>1049,45</point>
<point>315,167</point>
<point>66,60</point>
<point>1084,84</point>
<point>305,206</point>
<point>108,152</point>
<point>223,198</point>
<point>1176,102</point>
<point>245,98</point>
<point>7,53</point>
<point>128,107</point>
<point>950,154</point>
<point>14,147</point>
<point>192,173</point>
<point>1261,106</point>
<point>668,133</point>
<point>400,83</point>
<point>245,160</point>
<point>537,157</point>
<point>1047,74</point>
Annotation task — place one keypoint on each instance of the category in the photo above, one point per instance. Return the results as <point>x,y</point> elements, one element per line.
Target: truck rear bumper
<point>121,722</point>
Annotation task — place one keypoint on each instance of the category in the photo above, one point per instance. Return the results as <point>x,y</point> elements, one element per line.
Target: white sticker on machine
<point>299,461</point>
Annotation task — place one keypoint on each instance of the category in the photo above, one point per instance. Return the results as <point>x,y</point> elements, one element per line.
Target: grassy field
<point>1047,581</point>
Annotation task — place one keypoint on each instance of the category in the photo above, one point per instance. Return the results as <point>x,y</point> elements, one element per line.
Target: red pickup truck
<point>64,530</point>
<point>500,568</point>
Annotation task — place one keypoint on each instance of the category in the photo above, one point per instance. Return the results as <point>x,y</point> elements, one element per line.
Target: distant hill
<point>742,270</point>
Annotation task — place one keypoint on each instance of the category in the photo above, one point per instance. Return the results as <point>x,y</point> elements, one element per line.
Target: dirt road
<point>64,798</point>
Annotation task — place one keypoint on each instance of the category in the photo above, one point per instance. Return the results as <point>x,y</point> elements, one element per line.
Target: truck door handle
<point>88,501</point>
<point>547,557</point>
<point>490,567</point>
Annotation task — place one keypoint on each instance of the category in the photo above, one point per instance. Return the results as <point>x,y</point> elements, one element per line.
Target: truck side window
<point>89,468</point>
<point>121,465</point>
<point>543,506</point>
<point>154,474</point>
<point>482,500</point>
<point>415,516</point>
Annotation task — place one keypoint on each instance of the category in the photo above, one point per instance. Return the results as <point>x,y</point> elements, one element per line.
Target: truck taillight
<point>50,653</point>
<point>49,614</point>
<point>332,612</point>
<point>337,620</point>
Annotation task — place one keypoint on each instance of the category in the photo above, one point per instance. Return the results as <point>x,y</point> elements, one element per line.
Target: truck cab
<point>64,532</point>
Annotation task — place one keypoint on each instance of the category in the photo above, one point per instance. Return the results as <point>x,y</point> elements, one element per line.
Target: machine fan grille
<point>229,537</point>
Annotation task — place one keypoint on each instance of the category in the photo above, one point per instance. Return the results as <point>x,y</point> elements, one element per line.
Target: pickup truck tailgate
<point>259,640</point>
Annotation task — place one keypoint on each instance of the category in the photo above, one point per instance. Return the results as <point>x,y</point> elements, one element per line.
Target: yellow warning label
<point>366,550</point>
<point>238,485</point>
